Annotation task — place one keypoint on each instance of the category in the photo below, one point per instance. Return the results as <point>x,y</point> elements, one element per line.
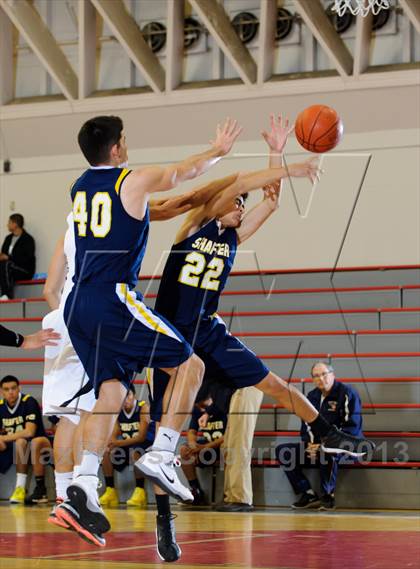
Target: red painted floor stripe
<point>300,549</point>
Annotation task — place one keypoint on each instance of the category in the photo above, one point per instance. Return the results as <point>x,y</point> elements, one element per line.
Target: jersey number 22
<point>196,265</point>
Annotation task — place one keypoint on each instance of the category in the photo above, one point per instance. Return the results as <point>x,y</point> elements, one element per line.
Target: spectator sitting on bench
<point>341,406</point>
<point>21,425</point>
<point>205,450</point>
<point>17,257</point>
<point>133,434</point>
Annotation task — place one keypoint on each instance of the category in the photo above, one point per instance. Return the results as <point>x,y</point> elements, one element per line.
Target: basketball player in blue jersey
<point>113,332</point>
<point>194,276</point>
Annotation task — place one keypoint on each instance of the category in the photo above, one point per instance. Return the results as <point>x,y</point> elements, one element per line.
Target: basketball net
<point>362,7</point>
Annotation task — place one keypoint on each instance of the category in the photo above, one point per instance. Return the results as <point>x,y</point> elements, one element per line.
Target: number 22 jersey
<point>195,274</point>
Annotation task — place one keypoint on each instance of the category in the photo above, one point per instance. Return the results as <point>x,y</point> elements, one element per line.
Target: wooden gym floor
<point>266,539</point>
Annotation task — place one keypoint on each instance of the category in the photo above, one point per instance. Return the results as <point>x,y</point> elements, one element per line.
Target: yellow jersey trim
<point>120,180</point>
<point>26,397</point>
<point>148,375</point>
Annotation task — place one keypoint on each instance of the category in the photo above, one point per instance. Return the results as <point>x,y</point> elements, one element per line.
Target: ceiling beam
<point>29,23</point>
<point>314,16</point>
<point>6,59</point>
<point>87,48</point>
<point>174,44</point>
<point>362,47</point>
<point>412,11</point>
<point>267,38</point>
<point>126,30</point>
<point>214,17</point>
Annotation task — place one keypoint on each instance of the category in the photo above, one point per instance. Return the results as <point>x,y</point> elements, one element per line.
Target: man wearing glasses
<point>341,406</point>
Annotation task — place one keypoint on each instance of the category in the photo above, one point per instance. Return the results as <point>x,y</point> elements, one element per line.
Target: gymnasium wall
<point>379,123</point>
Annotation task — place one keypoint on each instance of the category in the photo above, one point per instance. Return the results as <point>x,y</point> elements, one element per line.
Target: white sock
<point>166,439</point>
<point>311,492</point>
<point>62,482</point>
<point>89,465</point>
<point>21,480</point>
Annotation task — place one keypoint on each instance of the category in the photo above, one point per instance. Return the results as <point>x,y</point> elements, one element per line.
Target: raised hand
<point>308,169</point>
<point>226,136</point>
<point>40,339</point>
<point>276,138</point>
<point>203,420</point>
<point>272,192</point>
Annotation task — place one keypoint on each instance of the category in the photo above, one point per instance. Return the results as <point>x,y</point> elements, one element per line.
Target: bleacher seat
<point>273,312</point>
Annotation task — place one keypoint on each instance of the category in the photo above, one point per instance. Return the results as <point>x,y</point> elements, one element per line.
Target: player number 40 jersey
<point>110,244</point>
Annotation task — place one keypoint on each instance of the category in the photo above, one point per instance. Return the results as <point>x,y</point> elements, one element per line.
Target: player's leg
<point>82,509</point>
<point>166,545</point>
<point>21,450</point>
<point>63,462</point>
<point>130,337</point>
<point>63,453</point>
<point>332,439</point>
<point>138,498</point>
<point>67,393</point>
<point>181,391</point>
<point>158,464</point>
<point>244,368</point>
<point>110,496</point>
<point>40,455</point>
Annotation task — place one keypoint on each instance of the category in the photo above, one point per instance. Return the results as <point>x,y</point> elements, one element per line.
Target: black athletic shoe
<point>199,499</point>
<point>234,507</point>
<point>83,513</point>
<point>38,496</point>
<point>339,442</point>
<point>166,545</point>
<point>327,502</point>
<point>306,501</point>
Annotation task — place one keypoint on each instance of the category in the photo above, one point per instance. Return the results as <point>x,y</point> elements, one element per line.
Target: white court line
<point>153,545</point>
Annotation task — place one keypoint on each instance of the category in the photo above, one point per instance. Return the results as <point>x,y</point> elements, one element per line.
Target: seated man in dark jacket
<point>341,406</point>
<point>17,257</point>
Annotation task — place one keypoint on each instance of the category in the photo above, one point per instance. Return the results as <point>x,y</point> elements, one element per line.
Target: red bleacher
<point>380,311</point>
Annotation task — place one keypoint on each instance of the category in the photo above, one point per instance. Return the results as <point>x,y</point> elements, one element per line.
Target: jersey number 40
<point>100,214</point>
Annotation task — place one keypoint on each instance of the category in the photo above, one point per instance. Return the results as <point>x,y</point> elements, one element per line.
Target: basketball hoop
<point>362,7</point>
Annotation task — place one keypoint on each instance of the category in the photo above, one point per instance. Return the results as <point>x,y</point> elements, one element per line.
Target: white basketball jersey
<point>70,254</point>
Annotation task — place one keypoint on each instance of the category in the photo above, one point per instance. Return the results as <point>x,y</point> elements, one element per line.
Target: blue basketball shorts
<point>226,359</point>
<point>116,335</point>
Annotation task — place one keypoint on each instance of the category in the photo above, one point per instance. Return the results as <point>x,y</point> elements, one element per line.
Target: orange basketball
<point>318,128</point>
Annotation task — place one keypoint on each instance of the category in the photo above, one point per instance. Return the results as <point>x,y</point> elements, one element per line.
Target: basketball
<point>318,128</point>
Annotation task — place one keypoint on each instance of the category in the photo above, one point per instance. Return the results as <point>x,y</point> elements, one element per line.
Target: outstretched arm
<point>256,180</point>
<point>56,276</point>
<point>161,210</point>
<point>158,179</point>
<point>276,140</point>
<point>244,184</point>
